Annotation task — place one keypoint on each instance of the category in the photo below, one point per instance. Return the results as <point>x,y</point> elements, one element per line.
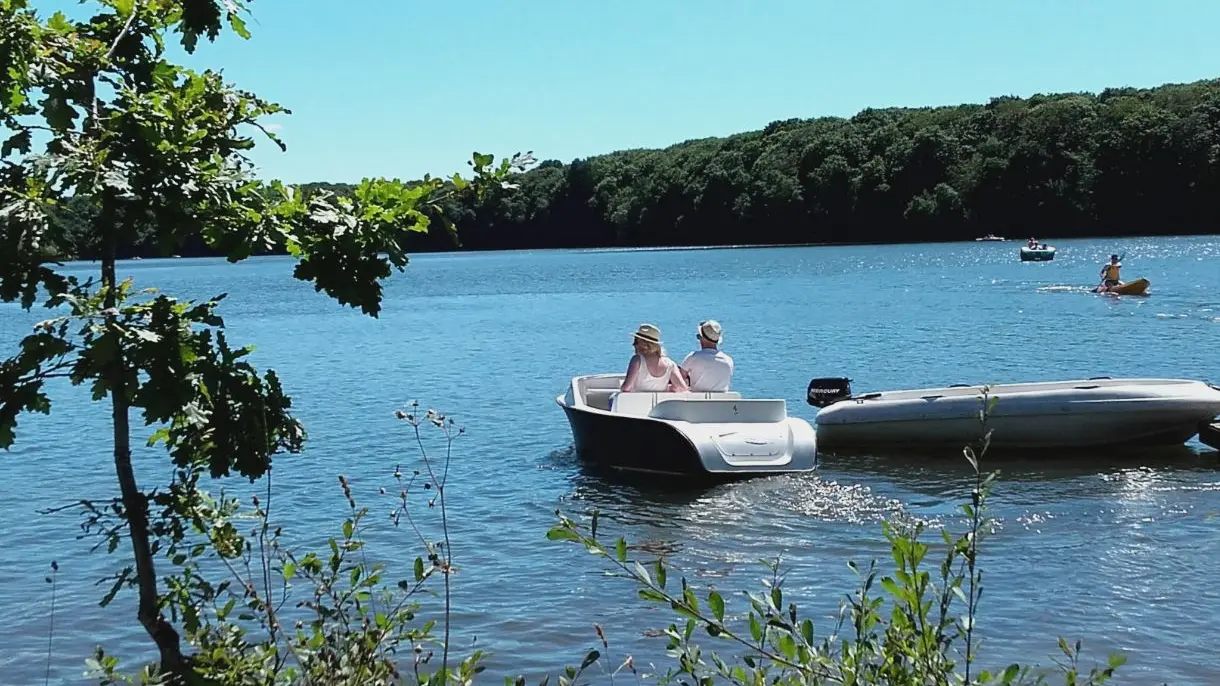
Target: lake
<point>1120,553</point>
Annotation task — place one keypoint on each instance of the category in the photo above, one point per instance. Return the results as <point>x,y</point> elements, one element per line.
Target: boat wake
<point>1065,288</point>
<point>782,501</point>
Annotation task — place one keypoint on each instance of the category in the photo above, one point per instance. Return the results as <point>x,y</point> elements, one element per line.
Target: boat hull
<point>627,443</point>
<point>1030,432</point>
<point>701,435</point>
<point>725,451</point>
<point>1071,414</point>
<point>1028,255</point>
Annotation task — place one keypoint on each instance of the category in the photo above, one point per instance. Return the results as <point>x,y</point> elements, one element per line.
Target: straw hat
<point>648,332</point>
<point>710,330</point>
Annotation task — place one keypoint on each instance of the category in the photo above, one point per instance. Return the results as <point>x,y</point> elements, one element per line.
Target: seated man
<point>708,369</point>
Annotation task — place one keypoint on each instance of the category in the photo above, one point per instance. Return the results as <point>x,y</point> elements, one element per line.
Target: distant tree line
<point>1126,161</point>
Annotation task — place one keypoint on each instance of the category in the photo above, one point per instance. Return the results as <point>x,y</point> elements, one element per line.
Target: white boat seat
<point>640,403</point>
<point>633,403</point>
<point>722,411</point>
<point>600,397</point>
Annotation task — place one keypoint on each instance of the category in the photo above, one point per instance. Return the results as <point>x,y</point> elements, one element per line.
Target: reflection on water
<point>836,492</point>
<point>936,467</point>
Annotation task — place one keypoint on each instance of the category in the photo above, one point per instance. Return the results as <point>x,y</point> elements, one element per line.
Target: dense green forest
<point>1125,161</point>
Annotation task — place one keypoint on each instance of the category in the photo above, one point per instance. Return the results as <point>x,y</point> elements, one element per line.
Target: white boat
<point>1084,413</point>
<point>703,434</point>
<point>1040,254</point>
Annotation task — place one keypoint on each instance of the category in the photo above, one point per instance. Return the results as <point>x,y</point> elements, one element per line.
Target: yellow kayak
<point>1137,287</point>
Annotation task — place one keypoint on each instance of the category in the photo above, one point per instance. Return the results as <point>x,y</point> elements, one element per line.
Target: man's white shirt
<point>710,369</point>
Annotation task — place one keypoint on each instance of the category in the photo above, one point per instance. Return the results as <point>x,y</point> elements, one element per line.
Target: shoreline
<point>679,248</point>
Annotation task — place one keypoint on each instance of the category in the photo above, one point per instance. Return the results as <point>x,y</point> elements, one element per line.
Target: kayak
<point>1137,287</point>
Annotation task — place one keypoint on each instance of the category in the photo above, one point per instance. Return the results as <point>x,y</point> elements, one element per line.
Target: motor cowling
<point>827,391</point>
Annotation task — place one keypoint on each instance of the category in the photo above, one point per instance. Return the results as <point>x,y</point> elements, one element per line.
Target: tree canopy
<point>1125,161</point>
<point>137,152</point>
<point>1122,162</point>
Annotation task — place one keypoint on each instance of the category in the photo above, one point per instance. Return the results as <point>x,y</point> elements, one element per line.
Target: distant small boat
<point>1082,413</point>
<point>1137,287</point>
<point>717,435</point>
<point>991,237</point>
<point>1039,254</point>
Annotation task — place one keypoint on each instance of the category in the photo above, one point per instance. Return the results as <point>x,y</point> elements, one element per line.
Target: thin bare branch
<point>135,9</point>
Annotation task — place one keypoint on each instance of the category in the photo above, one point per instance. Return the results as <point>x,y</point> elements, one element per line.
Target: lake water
<point>1121,554</point>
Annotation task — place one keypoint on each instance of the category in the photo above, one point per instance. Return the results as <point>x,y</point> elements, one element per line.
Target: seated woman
<point>650,369</point>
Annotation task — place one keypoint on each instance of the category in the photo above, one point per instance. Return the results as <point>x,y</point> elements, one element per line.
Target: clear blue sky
<point>403,87</point>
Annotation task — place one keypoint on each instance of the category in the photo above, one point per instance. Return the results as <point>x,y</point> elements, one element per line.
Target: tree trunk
<point>134,502</point>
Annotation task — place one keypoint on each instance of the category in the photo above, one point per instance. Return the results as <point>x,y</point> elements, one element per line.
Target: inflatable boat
<point>1039,254</point>
<point>1080,413</point>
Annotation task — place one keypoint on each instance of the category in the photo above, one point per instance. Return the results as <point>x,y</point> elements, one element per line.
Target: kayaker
<point>1109,272</point>
<point>708,368</point>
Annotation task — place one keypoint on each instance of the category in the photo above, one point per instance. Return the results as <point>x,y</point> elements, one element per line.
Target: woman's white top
<point>646,382</point>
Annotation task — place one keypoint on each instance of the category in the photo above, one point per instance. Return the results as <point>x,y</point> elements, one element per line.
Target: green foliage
<point>142,151</point>
<point>165,151</point>
<point>256,611</point>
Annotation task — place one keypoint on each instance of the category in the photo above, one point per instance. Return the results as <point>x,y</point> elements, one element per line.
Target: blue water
<point>1119,554</point>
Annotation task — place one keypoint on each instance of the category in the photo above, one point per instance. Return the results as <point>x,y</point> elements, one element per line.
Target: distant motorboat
<point>991,237</point>
<point>1083,413</point>
<point>719,435</point>
<point>1038,254</point>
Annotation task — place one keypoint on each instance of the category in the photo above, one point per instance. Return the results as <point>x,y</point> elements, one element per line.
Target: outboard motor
<point>827,391</point>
